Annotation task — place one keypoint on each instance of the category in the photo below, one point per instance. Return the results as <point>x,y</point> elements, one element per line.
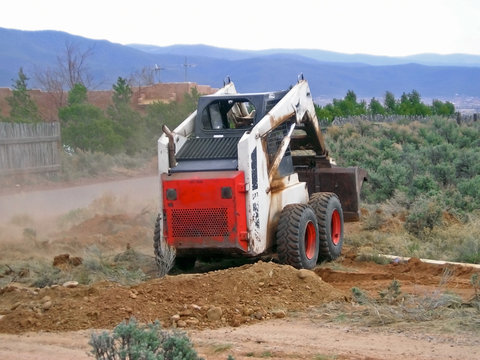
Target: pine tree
<point>22,107</point>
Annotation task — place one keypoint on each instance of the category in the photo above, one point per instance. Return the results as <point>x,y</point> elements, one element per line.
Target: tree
<point>85,127</point>
<point>78,95</point>
<point>22,107</point>
<point>443,109</point>
<point>375,108</point>
<point>122,92</point>
<point>410,104</point>
<point>390,103</point>
<point>71,69</point>
<point>73,66</point>
<point>349,106</point>
<point>127,122</point>
<point>143,77</point>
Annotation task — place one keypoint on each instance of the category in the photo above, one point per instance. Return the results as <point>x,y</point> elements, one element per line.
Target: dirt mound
<point>415,276</point>
<point>65,261</point>
<point>226,297</point>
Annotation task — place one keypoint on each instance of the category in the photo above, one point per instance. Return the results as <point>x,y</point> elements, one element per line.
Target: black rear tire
<point>156,242</point>
<point>297,236</point>
<point>164,255</point>
<point>329,213</point>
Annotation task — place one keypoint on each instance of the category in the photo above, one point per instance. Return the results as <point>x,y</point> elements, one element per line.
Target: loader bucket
<point>345,182</point>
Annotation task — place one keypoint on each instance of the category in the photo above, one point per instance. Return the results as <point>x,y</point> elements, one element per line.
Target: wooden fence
<point>29,148</point>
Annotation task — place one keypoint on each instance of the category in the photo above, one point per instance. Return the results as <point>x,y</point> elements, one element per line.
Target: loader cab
<point>233,114</point>
<point>220,122</point>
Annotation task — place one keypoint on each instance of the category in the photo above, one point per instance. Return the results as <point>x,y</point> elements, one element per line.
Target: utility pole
<point>159,69</point>
<point>186,65</point>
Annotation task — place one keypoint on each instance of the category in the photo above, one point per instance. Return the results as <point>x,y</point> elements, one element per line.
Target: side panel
<point>205,212</point>
<point>252,161</point>
<point>265,200</point>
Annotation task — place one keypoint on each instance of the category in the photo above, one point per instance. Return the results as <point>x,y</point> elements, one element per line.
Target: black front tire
<point>329,213</point>
<point>297,236</point>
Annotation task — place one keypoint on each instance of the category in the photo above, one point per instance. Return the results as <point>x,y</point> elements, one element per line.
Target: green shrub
<point>42,274</point>
<point>391,295</point>
<point>97,266</point>
<point>133,341</point>
<point>435,157</point>
<point>425,213</point>
<point>423,184</point>
<point>469,251</point>
<point>360,296</point>
<point>373,257</point>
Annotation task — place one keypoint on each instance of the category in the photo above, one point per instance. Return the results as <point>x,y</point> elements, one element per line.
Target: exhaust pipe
<point>172,162</point>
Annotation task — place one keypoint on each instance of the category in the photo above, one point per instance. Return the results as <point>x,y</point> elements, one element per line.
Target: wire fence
<point>338,121</point>
<point>29,148</point>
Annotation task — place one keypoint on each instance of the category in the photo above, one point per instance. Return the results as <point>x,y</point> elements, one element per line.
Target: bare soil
<point>252,310</point>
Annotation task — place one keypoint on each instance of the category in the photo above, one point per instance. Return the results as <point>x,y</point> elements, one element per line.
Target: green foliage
<point>375,108</point>
<point>43,275</point>
<point>443,109</point>
<point>425,213</point>
<point>133,341</point>
<point>372,257</point>
<point>469,251</point>
<point>22,108</point>
<point>120,129</point>
<point>475,281</point>
<point>390,103</point>
<point>348,106</point>
<point>170,114</point>
<point>128,124</point>
<point>85,127</point>
<point>391,295</point>
<point>434,162</point>
<point>77,95</point>
<point>409,104</point>
<point>124,268</point>
<point>360,296</point>
<point>122,92</point>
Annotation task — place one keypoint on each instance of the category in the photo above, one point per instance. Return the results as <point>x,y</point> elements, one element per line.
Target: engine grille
<point>199,222</point>
<point>209,148</point>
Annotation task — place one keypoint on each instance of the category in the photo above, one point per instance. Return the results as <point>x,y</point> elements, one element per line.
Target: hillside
<point>329,74</point>
<point>319,55</point>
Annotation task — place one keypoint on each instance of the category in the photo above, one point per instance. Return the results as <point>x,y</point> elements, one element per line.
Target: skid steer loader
<point>249,174</point>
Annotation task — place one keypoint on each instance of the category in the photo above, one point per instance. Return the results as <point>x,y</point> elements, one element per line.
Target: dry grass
<point>437,310</point>
<point>382,231</point>
<point>127,268</point>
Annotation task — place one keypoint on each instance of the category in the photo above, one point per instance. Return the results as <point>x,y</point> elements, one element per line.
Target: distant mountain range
<point>330,74</point>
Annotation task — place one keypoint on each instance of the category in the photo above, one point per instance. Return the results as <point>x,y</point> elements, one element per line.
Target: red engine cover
<point>205,210</point>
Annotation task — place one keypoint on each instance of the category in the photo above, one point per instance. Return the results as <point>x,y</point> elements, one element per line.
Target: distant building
<point>48,103</point>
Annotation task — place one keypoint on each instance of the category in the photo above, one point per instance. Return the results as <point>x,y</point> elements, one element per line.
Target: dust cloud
<point>43,222</point>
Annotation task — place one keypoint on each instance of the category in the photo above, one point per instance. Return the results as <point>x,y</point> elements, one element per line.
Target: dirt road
<point>298,337</point>
<point>55,202</point>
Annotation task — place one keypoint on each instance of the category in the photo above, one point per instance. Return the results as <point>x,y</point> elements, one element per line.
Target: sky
<point>376,27</point>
